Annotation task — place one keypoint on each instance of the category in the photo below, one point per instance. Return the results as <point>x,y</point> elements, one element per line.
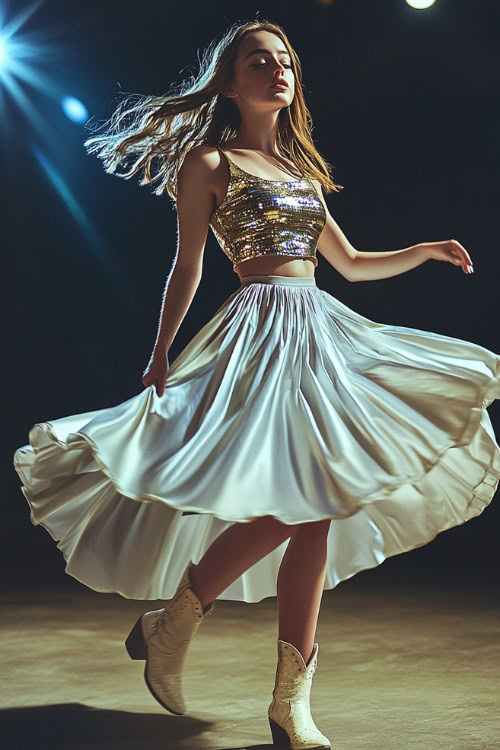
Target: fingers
<point>463,256</point>
<point>159,387</point>
<point>466,267</point>
<point>463,253</point>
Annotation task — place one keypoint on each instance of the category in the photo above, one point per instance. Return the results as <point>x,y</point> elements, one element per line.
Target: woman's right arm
<point>195,202</point>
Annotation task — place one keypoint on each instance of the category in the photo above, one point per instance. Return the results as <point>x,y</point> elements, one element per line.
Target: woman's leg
<point>301,578</point>
<point>233,552</point>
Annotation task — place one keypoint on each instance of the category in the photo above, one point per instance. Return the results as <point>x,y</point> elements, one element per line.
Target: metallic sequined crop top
<point>267,217</point>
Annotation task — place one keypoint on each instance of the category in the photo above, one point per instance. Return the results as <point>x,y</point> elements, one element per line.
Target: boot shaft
<point>293,676</point>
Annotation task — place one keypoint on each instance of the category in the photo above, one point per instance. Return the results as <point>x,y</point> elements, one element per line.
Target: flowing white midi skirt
<point>286,403</point>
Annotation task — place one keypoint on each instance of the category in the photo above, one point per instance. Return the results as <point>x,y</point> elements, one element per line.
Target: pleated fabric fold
<point>286,403</point>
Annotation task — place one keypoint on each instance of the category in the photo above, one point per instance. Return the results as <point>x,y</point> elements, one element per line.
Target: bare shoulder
<point>200,162</point>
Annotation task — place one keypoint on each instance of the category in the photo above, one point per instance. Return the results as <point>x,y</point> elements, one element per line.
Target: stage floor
<point>406,661</point>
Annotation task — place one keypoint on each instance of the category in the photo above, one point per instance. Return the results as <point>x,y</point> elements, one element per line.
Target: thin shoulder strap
<point>231,163</point>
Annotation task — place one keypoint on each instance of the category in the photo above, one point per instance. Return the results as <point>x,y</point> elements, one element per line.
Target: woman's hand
<point>156,372</point>
<point>452,251</point>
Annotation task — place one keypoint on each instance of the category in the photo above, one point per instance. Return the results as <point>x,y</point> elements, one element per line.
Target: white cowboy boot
<point>289,713</point>
<point>162,638</point>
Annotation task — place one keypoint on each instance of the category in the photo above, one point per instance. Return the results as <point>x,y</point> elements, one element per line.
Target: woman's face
<point>256,71</point>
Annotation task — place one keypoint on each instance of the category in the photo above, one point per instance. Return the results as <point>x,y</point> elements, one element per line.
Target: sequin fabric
<point>267,217</point>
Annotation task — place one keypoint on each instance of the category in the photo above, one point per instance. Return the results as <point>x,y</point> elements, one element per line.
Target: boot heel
<point>135,643</point>
<point>280,737</point>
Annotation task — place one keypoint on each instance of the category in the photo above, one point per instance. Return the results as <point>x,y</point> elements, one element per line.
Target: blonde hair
<point>167,127</point>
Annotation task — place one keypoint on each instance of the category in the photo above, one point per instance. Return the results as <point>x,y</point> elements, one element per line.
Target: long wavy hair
<point>166,127</point>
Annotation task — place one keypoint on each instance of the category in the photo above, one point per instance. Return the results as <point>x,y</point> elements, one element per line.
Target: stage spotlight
<point>4,51</point>
<point>420,4</point>
<point>74,109</point>
<point>20,55</point>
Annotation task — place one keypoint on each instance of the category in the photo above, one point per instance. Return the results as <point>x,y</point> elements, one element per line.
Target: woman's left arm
<point>356,265</point>
<point>371,266</point>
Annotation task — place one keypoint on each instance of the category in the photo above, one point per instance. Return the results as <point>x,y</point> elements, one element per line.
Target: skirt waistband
<point>274,279</point>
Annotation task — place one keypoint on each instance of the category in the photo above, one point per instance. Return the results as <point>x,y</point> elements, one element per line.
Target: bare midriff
<point>276,265</point>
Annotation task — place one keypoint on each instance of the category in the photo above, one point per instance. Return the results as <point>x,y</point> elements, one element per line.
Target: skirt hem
<point>470,429</point>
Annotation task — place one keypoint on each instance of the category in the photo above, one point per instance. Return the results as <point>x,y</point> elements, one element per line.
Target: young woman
<point>292,442</point>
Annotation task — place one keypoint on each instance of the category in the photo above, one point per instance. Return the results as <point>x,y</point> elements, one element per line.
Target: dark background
<point>406,110</point>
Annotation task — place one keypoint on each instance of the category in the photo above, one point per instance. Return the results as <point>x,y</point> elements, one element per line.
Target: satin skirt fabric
<point>287,403</point>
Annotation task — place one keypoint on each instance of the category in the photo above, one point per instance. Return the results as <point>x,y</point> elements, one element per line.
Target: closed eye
<point>260,65</point>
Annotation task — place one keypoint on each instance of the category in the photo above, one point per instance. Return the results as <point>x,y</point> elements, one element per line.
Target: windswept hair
<point>166,127</point>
